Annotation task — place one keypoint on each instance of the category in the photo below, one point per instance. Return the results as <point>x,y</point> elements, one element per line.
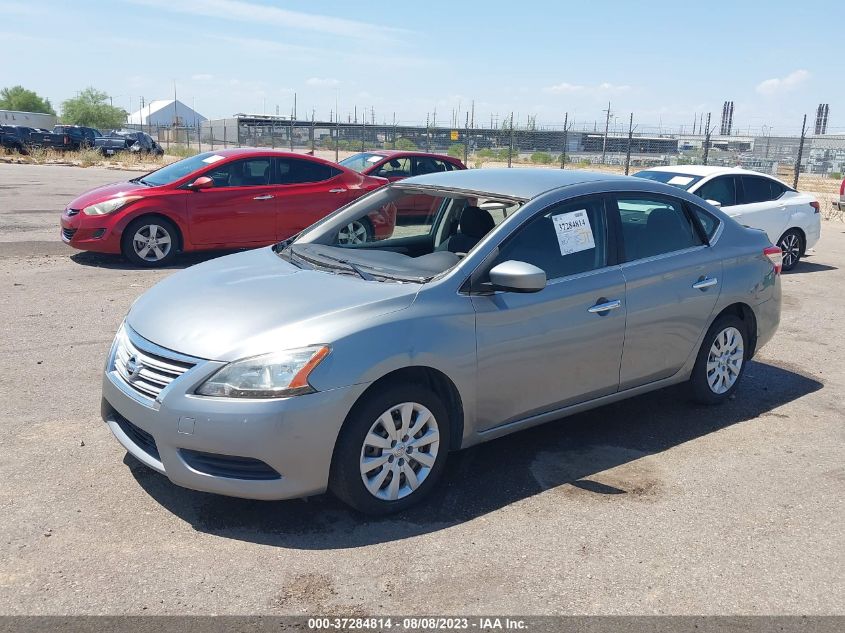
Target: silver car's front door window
<point>542,351</point>
<point>673,280</point>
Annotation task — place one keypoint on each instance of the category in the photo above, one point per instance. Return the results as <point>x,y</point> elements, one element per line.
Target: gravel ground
<point>649,506</point>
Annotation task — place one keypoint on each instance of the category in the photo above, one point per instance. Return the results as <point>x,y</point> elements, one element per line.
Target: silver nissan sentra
<point>501,299</point>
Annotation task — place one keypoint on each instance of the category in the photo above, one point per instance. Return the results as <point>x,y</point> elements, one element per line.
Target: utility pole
<point>472,115</point>
<point>466,140</point>
<point>510,145</point>
<point>565,139</point>
<point>706,139</point>
<point>606,126</point>
<point>294,106</point>
<point>630,136</point>
<point>800,152</point>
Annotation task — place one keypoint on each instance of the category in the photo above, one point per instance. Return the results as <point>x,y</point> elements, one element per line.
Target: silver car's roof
<point>511,183</point>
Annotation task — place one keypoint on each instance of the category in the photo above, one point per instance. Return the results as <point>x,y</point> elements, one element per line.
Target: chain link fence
<point>813,163</point>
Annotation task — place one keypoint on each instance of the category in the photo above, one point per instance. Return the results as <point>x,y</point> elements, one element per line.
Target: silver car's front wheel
<point>356,232</point>
<point>399,451</point>
<point>724,362</point>
<point>392,447</point>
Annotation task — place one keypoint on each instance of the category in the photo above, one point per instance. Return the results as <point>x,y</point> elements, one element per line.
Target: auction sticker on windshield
<point>213,158</point>
<point>574,233</point>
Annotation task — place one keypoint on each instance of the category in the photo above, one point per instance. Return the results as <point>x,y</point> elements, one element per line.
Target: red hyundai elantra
<point>231,198</point>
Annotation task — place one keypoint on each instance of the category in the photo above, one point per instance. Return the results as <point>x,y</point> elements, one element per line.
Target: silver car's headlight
<point>275,375</point>
<point>109,206</point>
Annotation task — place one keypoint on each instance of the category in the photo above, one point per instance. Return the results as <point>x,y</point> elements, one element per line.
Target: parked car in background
<point>282,372</point>
<point>792,220</point>
<point>840,204</point>
<point>227,199</point>
<point>79,135</point>
<point>128,141</point>
<point>22,139</point>
<point>397,165</point>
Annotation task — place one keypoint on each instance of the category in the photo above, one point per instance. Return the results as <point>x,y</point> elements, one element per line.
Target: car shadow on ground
<point>117,262</point>
<point>490,476</point>
<point>810,267</point>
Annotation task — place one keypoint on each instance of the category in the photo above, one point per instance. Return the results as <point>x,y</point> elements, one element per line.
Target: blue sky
<point>664,61</point>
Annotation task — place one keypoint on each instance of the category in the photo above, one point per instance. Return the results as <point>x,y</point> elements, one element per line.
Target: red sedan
<point>396,165</point>
<point>230,198</point>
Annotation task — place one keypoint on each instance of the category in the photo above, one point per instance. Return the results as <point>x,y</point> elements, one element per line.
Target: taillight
<point>775,255</point>
<point>816,206</point>
<point>842,190</point>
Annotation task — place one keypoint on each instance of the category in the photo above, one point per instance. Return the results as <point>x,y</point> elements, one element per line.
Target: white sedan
<point>791,219</point>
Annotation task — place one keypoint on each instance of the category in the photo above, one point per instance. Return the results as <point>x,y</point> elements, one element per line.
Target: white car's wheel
<point>792,245</point>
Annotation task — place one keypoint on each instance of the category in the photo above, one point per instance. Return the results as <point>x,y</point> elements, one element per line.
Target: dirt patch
<point>314,593</point>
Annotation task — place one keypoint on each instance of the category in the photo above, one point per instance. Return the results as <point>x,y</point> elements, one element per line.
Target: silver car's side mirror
<point>715,203</point>
<point>515,276</point>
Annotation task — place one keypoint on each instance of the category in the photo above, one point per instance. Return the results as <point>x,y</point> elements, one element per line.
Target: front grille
<point>144,370</point>
<point>229,466</point>
<point>139,437</point>
<point>68,234</point>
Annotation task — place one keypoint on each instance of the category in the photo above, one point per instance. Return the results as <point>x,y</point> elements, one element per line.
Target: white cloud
<point>783,84</point>
<point>602,88</point>
<point>327,82</point>
<point>273,16</point>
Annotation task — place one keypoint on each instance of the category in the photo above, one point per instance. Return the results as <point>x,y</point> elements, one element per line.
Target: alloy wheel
<point>790,244</point>
<point>724,361</point>
<point>399,451</point>
<point>353,233</point>
<point>152,242</point>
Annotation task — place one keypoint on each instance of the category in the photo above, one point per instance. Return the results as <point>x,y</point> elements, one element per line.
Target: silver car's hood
<point>255,302</point>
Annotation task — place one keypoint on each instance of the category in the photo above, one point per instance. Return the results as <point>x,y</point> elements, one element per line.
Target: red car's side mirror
<point>203,182</point>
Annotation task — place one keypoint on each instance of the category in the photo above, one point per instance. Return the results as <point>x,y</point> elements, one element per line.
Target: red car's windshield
<point>361,162</point>
<point>178,170</point>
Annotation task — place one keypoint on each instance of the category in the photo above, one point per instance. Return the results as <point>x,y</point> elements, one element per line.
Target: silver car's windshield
<point>398,234</point>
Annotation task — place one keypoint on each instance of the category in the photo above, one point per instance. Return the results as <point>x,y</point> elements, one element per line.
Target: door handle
<point>605,307</point>
<point>704,284</point>
<point>340,190</point>
<point>264,197</point>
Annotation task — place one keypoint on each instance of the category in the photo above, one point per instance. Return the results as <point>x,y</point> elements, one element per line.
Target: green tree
<point>541,158</point>
<point>92,108</point>
<point>405,144</point>
<point>23,100</point>
<point>456,150</point>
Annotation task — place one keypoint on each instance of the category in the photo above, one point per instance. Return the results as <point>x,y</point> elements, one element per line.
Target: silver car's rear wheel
<point>356,232</point>
<point>399,451</point>
<point>724,361</point>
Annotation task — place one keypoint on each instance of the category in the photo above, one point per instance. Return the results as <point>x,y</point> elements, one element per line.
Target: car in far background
<point>22,139</point>
<point>127,141</point>
<point>79,135</point>
<point>840,204</point>
<point>791,219</point>
<point>234,198</point>
<point>398,164</point>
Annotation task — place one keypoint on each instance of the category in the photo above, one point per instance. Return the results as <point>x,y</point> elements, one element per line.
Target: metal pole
<point>466,140</point>
<point>630,135</point>
<point>337,140</point>
<point>312,132</point>
<point>510,145</point>
<point>800,152</point>
<point>565,134</point>
<point>606,126</point>
<point>394,130</point>
<point>707,139</point>
<point>291,123</point>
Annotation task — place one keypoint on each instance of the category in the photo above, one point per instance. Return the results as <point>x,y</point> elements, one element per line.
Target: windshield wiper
<point>361,273</point>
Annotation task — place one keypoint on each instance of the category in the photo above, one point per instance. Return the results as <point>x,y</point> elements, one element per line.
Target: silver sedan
<point>498,300</point>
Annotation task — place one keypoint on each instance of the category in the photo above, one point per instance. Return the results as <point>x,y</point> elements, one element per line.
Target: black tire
<point>700,379</point>
<point>164,226</point>
<point>346,480</point>
<point>791,245</point>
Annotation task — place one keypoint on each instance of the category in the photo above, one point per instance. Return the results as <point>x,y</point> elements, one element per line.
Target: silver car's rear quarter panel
<point>295,436</point>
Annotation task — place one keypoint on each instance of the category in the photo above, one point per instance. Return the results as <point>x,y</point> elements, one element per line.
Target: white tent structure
<point>166,113</point>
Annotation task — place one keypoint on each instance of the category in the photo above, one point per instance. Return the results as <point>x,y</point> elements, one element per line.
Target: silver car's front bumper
<point>273,449</point>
